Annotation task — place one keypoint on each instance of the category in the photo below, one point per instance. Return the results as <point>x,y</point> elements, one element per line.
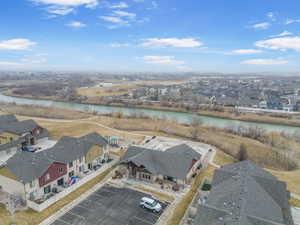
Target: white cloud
<point>265,62</point>
<point>290,21</point>
<point>124,14</point>
<point>76,24</point>
<point>282,34</point>
<point>154,5</point>
<point>119,45</point>
<point>283,44</point>
<point>6,63</point>
<point>271,15</point>
<point>116,21</point>
<point>16,44</point>
<point>120,5</point>
<point>61,11</point>
<point>172,42</point>
<point>245,51</point>
<point>164,60</point>
<point>64,7</point>
<point>261,26</point>
<point>70,3</point>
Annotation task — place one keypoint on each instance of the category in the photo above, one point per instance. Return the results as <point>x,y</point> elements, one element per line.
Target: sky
<point>151,35</point>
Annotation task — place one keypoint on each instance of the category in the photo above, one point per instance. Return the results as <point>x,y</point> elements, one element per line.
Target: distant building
<point>244,194</point>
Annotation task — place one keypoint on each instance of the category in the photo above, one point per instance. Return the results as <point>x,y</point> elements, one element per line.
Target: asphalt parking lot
<point>110,206</point>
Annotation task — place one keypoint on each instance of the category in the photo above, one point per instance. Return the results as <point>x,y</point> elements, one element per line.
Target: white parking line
<point>144,221</point>
<point>81,217</point>
<point>60,220</point>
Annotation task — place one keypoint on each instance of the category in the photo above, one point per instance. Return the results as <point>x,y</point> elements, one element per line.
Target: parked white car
<point>150,204</point>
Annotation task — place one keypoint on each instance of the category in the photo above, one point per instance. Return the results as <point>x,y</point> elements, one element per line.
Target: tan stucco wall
<point>94,153</point>
<point>5,137</point>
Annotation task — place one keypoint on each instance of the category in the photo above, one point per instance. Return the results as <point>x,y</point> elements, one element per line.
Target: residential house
<point>244,194</point>
<point>174,166</point>
<point>37,176</point>
<point>16,134</point>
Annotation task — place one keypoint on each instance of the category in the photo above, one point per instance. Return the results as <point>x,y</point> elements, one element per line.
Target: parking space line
<point>61,220</point>
<point>81,217</point>
<point>83,207</point>
<point>144,221</point>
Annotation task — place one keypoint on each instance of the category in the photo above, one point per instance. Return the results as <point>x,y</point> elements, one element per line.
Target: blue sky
<point>147,35</point>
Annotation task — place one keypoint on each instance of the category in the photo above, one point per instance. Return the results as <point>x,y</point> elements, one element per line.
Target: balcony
<point>51,198</point>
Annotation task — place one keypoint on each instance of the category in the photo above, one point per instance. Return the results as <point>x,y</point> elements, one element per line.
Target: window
<point>80,168</point>
<point>71,174</point>
<point>146,176</point>
<point>61,170</point>
<point>70,164</point>
<point>31,184</point>
<point>80,160</point>
<point>47,177</point>
<point>47,189</point>
<point>11,138</point>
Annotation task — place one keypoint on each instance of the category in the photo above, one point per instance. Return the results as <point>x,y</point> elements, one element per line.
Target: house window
<point>71,174</point>
<point>80,160</point>
<point>47,189</point>
<point>146,176</point>
<point>70,164</point>
<point>169,178</point>
<point>47,177</point>
<point>80,168</point>
<point>61,170</point>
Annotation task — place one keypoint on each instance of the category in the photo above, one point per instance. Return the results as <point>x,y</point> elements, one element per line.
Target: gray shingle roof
<point>185,149</point>
<point>244,194</point>
<point>176,165</point>
<point>19,127</point>
<point>28,166</point>
<point>7,119</point>
<point>9,123</point>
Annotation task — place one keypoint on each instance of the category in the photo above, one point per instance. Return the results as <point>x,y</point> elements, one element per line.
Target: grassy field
<point>187,199</point>
<point>292,178</point>
<point>223,159</point>
<point>30,217</point>
<point>44,112</point>
<point>123,89</point>
<point>294,202</point>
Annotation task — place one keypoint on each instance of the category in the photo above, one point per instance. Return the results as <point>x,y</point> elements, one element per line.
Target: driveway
<point>110,206</point>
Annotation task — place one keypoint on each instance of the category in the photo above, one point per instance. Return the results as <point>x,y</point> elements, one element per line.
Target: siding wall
<point>54,173</point>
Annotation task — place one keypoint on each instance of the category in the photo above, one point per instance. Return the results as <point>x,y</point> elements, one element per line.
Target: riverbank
<point>229,144</point>
<point>229,114</point>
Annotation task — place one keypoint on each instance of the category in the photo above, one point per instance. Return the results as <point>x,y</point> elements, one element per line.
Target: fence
<point>65,192</point>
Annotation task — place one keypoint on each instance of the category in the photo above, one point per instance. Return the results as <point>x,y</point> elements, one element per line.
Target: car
<point>150,204</point>
<point>29,149</point>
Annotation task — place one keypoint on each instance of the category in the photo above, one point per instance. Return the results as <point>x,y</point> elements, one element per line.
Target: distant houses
<point>244,194</point>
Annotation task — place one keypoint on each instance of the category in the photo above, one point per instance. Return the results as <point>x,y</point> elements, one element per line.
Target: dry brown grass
<point>292,178</point>
<point>123,89</point>
<point>30,217</point>
<point>79,128</point>
<point>183,205</point>
<point>223,159</point>
<point>43,112</point>
<point>294,202</point>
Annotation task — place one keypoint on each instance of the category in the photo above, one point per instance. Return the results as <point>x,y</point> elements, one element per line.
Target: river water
<point>178,116</point>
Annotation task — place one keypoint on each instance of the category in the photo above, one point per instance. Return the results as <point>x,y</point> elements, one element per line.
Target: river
<point>178,116</point>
